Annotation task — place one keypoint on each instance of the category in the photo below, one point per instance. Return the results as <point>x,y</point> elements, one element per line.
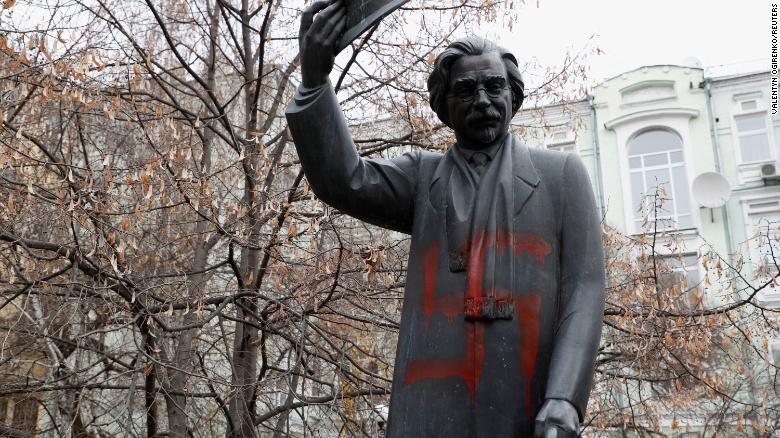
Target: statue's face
<point>479,99</point>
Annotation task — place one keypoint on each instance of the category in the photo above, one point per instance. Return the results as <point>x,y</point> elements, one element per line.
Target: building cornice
<point>739,80</point>
<point>647,68</point>
<point>557,109</point>
<point>649,114</point>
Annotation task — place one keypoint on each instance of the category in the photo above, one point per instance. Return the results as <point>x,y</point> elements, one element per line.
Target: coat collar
<point>522,166</point>
<point>523,170</point>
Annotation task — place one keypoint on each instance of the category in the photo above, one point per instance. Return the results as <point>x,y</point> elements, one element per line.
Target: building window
<point>764,219</point>
<point>656,165</point>
<point>749,105</point>
<point>563,147</point>
<point>753,137</point>
<point>561,139</point>
<point>774,349</point>
<point>559,134</point>
<point>682,280</point>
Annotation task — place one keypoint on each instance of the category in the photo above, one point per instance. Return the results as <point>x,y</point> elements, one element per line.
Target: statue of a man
<point>504,293</point>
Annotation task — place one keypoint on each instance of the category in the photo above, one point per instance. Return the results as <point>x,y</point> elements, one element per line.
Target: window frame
<point>774,350</point>
<point>685,270</point>
<point>760,110</point>
<point>674,215</point>
<point>743,102</point>
<point>566,146</point>
<point>556,144</point>
<point>761,208</point>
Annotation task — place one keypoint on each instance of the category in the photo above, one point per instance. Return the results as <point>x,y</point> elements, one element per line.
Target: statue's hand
<point>557,419</point>
<point>321,25</point>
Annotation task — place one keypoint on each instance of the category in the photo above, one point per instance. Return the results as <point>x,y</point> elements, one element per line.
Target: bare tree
<point>684,351</point>
<point>165,269</point>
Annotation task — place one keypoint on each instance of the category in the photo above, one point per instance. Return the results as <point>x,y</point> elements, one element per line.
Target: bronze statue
<point>504,294</point>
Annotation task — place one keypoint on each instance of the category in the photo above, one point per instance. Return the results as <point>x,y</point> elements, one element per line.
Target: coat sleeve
<point>377,191</point>
<point>578,332</point>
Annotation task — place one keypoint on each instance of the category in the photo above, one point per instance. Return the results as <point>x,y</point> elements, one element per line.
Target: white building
<point>668,125</point>
<point>672,125</point>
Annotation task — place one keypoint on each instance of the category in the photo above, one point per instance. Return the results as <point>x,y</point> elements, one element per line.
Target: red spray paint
<point>529,244</point>
<point>468,368</point>
<point>449,304</point>
<point>527,307</point>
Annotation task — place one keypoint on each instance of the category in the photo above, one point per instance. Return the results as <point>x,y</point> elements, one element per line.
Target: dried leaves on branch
<point>686,336</point>
<point>166,269</point>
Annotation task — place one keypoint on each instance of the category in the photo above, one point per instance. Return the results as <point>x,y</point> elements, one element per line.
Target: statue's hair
<point>439,80</point>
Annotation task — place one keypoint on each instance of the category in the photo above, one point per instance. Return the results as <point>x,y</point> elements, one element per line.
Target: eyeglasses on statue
<point>466,90</point>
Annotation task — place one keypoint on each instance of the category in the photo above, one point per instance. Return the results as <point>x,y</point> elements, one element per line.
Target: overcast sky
<point>726,36</point>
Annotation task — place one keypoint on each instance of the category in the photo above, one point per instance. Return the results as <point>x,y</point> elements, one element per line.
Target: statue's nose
<point>481,99</point>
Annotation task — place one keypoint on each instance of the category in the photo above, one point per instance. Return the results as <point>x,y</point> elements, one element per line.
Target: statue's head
<point>475,89</point>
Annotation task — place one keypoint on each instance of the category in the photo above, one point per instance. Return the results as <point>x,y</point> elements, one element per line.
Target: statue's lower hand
<point>321,25</point>
<point>557,419</point>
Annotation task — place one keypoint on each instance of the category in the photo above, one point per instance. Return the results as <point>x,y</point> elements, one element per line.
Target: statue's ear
<point>515,81</point>
<point>437,97</point>
<point>516,104</point>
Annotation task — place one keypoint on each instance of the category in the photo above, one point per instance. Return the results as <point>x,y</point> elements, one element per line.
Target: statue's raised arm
<point>377,191</point>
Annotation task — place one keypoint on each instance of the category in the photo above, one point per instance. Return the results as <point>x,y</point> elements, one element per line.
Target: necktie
<point>480,161</point>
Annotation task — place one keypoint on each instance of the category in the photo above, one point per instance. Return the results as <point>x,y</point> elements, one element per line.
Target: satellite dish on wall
<point>711,190</point>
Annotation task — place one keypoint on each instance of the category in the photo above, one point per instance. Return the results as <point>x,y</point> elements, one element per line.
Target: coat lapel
<point>437,189</point>
<point>526,179</point>
<point>525,176</point>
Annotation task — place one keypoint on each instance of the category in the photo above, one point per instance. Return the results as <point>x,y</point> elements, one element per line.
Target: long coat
<point>458,377</point>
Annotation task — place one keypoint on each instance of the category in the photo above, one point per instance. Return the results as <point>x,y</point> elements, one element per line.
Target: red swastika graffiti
<point>469,368</point>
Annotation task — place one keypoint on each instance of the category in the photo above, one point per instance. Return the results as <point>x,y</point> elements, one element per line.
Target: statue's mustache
<point>482,116</point>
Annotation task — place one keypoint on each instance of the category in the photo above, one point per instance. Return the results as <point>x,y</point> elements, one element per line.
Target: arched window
<point>655,158</point>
